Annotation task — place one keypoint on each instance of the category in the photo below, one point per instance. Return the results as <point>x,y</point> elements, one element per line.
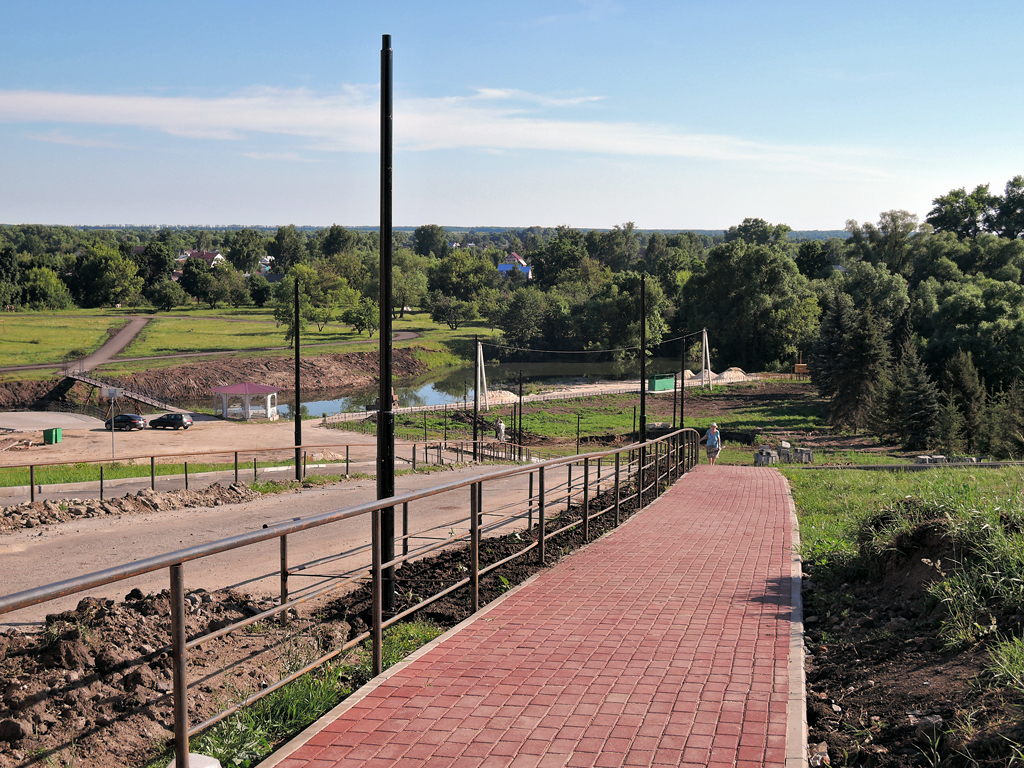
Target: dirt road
<point>89,440</point>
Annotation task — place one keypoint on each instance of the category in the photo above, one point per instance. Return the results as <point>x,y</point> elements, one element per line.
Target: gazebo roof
<point>246,388</point>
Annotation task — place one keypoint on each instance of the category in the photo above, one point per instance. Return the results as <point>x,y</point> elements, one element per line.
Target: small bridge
<point>142,396</point>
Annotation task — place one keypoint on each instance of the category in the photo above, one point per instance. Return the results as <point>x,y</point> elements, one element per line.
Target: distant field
<point>30,338</point>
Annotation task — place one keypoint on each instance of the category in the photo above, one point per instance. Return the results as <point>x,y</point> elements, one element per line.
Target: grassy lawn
<point>832,503</point>
<point>30,338</point>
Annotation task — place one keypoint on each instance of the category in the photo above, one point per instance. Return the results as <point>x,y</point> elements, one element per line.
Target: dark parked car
<point>127,421</point>
<point>172,421</point>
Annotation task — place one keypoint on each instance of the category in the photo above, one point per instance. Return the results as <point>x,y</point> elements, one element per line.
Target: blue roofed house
<point>514,261</point>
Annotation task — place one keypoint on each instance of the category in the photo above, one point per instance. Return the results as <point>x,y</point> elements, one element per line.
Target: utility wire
<point>582,351</point>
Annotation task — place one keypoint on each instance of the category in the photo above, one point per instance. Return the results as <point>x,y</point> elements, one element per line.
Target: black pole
<point>385,412</point>
<point>643,357</point>
<point>682,386</point>
<point>476,392</point>
<point>673,401</point>
<point>519,431</point>
<point>298,396</point>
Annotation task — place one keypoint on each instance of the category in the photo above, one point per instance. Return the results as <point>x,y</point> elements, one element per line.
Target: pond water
<point>456,386</point>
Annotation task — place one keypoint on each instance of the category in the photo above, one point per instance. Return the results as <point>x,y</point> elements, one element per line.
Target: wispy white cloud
<point>583,10</point>
<point>490,119</point>
<point>60,137</point>
<point>290,157</point>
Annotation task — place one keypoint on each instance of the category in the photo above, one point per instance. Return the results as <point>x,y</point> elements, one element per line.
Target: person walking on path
<point>499,430</point>
<point>714,441</point>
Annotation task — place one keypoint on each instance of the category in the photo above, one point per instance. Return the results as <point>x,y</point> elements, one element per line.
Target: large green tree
<point>462,275</point>
<point>105,277</point>
<point>888,242</point>
<point>966,214</point>
<point>758,232</point>
<point>42,289</point>
<point>756,305</point>
<point>245,249</point>
<point>1009,219</point>
<point>431,239</point>
<point>287,249</point>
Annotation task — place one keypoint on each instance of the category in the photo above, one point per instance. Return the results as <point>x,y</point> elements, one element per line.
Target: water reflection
<point>456,386</point>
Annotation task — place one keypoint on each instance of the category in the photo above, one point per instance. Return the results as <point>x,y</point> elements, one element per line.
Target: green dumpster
<point>51,436</point>
<point>661,382</point>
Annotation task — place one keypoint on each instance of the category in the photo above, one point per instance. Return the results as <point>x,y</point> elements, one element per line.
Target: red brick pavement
<point>667,642</point>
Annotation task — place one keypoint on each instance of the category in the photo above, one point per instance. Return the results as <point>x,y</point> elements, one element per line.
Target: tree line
<point>912,329</point>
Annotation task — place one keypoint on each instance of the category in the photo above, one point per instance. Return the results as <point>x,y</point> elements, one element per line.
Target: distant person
<point>499,430</point>
<point>714,441</point>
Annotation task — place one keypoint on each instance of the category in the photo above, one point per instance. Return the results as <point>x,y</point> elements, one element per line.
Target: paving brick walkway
<point>667,642</point>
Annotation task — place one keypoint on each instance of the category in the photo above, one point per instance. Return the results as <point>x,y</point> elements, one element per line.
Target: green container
<point>661,382</point>
<point>51,436</point>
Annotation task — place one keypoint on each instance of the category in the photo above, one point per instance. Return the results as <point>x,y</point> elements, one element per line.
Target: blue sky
<point>581,112</point>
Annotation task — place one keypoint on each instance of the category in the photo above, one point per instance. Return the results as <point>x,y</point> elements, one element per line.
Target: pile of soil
<point>93,689</point>
<point>882,690</point>
<point>37,513</point>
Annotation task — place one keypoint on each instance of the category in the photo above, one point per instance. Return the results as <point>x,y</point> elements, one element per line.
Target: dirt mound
<point>17,395</point>
<point>193,382</point>
<point>882,688</point>
<point>37,513</point>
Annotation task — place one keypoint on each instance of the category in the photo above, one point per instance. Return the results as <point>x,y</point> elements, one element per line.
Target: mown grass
<point>248,736</point>
<point>31,338</point>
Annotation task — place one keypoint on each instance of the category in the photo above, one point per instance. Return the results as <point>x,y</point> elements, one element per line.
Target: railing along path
<point>648,469</point>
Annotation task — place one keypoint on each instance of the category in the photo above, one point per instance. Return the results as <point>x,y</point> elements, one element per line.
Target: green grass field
<point>31,338</point>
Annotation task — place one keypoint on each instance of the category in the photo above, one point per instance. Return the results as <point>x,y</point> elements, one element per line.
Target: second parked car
<point>172,421</point>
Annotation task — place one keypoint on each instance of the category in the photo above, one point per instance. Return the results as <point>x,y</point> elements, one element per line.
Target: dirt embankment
<point>193,381</point>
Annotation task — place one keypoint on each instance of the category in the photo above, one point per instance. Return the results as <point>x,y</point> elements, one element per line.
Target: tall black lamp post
<point>385,411</point>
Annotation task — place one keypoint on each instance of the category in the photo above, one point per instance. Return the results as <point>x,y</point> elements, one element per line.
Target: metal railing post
<point>283,618</point>
<point>657,470</point>
<point>586,500</point>
<point>405,528</point>
<point>529,507</point>
<point>179,676</point>
<point>599,475</point>
<point>32,483</point>
<point>378,594</point>
<point>236,467</point>
<point>255,477</point>
<point>414,457</point>
<point>540,514</point>
<point>474,550</point>
<point>568,489</point>
<point>618,457</point>
<point>101,482</point>
<point>346,461</point>
<point>152,473</point>
<point>186,475</point>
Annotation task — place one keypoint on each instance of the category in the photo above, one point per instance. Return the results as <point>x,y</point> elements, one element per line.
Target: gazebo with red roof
<point>246,401</point>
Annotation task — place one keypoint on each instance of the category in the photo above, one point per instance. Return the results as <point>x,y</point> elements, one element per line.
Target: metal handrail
<point>679,449</point>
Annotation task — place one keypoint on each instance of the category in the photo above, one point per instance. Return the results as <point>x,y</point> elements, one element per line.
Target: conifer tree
<point>827,351</point>
<point>920,405</point>
<point>960,379</point>
<point>951,424</point>
<point>862,369</point>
